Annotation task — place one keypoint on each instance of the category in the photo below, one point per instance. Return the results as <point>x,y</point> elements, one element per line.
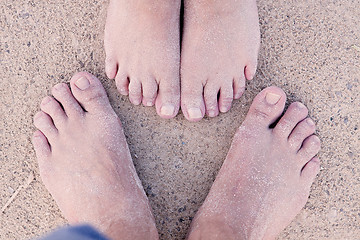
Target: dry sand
<point>308,49</point>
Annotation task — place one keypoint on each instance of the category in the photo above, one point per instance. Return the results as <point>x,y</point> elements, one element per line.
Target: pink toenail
<point>82,83</point>
<point>310,122</point>
<point>149,103</point>
<point>167,110</point>
<point>45,101</point>
<point>194,113</point>
<point>272,98</point>
<point>211,113</point>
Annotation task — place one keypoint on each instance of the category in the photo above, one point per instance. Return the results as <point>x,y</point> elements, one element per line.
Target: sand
<point>311,50</point>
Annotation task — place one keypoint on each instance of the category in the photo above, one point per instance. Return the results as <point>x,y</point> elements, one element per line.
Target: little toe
<point>192,102</point>
<point>250,70</point>
<point>293,115</point>
<point>122,83</point>
<point>41,146</point>
<point>135,91</point>
<point>266,108</point>
<point>226,97</point>
<point>168,100</point>
<point>310,147</point>
<point>45,124</point>
<point>52,107</point>
<point>149,91</point>
<point>111,67</point>
<point>62,94</point>
<point>239,86</point>
<point>309,172</point>
<point>89,92</point>
<point>211,100</point>
<point>304,129</point>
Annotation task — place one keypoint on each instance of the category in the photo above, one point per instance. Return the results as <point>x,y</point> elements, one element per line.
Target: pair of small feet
<point>85,163</point>
<point>220,43</point>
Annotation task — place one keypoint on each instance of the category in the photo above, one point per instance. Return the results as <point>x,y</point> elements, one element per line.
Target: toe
<point>309,148</point>
<point>192,101</point>
<point>45,124</point>
<point>41,146</point>
<point>226,97</point>
<point>303,130</point>
<point>309,172</point>
<point>293,115</point>
<point>266,108</point>
<point>211,100</point>
<point>239,86</point>
<point>62,94</point>
<point>149,91</point>
<point>89,92</point>
<point>250,70</point>
<point>111,67</point>
<point>168,100</point>
<point>52,107</point>
<point>122,83</point>
<point>135,91</point>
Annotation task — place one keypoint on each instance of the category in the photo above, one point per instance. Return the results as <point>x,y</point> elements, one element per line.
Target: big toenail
<point>167,110</point>
<point>310,122</point>
<point>82,83</point>
<point>272,98</point>
<point>149,103</point>
<point>194,113</point>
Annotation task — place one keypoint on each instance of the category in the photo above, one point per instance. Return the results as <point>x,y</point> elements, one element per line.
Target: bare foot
<point>143,52</point>
<point>85,163</point>
<point>220,45</point>
<point>266,178</point>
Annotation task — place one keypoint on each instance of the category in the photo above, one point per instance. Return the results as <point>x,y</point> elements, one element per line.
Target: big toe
<point>168,99</point>
<point>266,108</point>
<point>192,102</point>
<point>89,92</point>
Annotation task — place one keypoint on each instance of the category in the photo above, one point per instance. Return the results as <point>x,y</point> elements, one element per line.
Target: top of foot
<point>266,177</point>
<point>85,163</point>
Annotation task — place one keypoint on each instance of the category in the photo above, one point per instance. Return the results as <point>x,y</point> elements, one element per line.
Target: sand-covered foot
<point>143,52</point>
<point>85,163</point>
<point>266,177</point>
<point>220,46</point>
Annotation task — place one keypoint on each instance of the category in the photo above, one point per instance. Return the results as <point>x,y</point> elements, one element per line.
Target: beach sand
<point>311,50</point>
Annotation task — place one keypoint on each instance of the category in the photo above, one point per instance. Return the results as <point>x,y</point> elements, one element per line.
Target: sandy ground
<point>311,50</point>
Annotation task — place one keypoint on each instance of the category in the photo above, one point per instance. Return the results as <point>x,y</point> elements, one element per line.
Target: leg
<point>266,177</point>
<point>84,161</point>
<point>143,52</point>
<point>219,51</point>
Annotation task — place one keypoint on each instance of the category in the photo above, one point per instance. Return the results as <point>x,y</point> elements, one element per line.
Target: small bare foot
<point>266,177</point>
<point>220,45</point>
<point>85,163</point>
<point>142,48</point>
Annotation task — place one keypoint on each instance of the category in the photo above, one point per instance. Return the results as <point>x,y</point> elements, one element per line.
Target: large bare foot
<point>266,177</point>
<point>220,45</point>
<point>85,163</point>
<point>143,52</point>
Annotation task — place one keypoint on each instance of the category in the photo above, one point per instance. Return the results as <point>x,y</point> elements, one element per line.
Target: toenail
<point>300,105</point>
<point>82,83</point>
<point>45,101</point>
<point>272,98</point>
<point>167,110</point>
<point>58,86</point>
<point>211,113</point>
<point>223,109</point>
<point>149,103</point>
<point>310,122</point>
<point>194,113</point>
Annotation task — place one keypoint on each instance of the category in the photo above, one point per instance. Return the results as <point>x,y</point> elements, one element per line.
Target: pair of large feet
<point>220,42</point>
<point>85,163</point>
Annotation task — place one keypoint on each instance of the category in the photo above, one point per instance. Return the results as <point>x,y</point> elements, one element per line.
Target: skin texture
<point>142,46</point>
<point>220,46</point>
<point>84,161</point>
<point>266,177</point>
